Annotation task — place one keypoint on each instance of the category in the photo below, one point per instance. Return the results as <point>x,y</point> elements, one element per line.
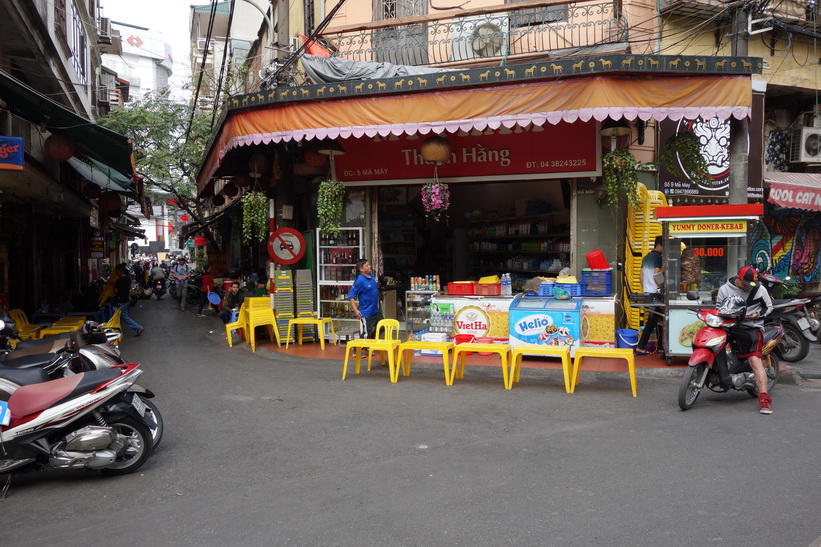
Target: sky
<point>167,16</point>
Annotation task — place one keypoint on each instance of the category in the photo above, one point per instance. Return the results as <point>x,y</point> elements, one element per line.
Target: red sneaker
<point>765,401</point>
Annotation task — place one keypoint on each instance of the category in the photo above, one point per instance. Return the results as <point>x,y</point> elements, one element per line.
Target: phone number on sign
<point>556,163</point>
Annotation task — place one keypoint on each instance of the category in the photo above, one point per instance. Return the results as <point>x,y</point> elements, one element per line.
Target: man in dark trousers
<point>367,289</point>
<point>651,266</point>
<point>232,302</point>
<point>122,298</point>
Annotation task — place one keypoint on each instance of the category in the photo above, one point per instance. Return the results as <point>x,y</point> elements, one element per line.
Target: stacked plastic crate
<point>305,301</point>
<point>283,300</point>
<point>643,227</point>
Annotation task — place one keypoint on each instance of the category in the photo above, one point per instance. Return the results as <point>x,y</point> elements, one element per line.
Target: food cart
<point>704,246</point>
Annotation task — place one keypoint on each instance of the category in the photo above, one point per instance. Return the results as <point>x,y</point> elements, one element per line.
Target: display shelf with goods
<point>336,271</point>
<point>417,310</point>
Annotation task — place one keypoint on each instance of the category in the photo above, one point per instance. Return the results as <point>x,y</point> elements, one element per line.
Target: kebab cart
<point>704,246</point>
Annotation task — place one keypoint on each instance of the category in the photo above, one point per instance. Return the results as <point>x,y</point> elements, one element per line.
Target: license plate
<point>803,323</point>
<point>138,404</point>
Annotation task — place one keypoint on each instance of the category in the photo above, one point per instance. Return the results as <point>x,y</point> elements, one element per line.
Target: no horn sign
<point>286,246</point>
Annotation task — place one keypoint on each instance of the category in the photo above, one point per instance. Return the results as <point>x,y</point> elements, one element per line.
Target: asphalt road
<point>264,449</point>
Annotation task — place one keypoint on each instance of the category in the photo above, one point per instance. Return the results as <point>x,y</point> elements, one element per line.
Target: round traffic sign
<point>286,246</point>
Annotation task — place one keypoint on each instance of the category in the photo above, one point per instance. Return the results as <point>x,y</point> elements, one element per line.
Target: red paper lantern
<point>218,200</point>
<point>230,190</point>
<point>242,181</point>
<point>92,191</point>
<point>110,201</point>
<point>59,147</point>
<point>184,218</point>
<point>258,164</point>
<point>315,159</point>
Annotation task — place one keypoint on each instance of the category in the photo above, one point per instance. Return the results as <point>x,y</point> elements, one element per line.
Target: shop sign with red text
<point>555,151</point>
<point>11,154</point>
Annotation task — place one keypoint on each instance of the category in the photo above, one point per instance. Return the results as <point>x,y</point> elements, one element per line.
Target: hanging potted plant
<point>330,203</point>
<point>436,199</point>
<point>682,157</point>
<point>619,171</point>
<point>254,217</point>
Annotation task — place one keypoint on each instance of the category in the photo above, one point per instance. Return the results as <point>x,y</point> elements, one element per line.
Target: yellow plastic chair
<point>239,324</point>
<point>51,331</point>
<point>26,330</point>
<point>387,340</point>
<point>258,317</point>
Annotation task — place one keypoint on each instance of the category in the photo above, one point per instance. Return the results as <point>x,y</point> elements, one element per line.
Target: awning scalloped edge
<point>494,122</point>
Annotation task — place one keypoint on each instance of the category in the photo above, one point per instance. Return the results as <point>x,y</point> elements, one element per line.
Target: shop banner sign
<point>11,153</point>
<point>555,151</point>
<point>707,227</point>
<point>796,197</point>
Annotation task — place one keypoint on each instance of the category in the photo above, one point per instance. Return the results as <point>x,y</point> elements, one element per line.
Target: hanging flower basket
<point>619,171</point>
<point>436,199</point>
<point>330,203</point>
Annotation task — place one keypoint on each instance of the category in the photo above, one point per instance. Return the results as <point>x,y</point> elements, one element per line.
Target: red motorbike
<point>715,363</point>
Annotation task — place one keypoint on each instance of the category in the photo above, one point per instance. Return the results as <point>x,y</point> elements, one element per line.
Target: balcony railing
<point>472,39</point>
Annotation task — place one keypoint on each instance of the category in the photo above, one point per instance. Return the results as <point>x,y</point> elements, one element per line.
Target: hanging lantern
<point>230,190</point>
<point>92,191</point>
<point>59,147</point>
<point>242,181</point>
<point>110,201</point>
<point>436,149</point>
<point>184,218</point>
<point>315,159</point>
<point>218,200</point>
<point>258,164</point>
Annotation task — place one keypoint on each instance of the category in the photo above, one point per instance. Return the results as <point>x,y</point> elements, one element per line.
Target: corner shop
<point>486,103</point>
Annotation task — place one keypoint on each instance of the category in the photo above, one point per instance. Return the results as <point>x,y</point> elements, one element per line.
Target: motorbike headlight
<point>713,320</point>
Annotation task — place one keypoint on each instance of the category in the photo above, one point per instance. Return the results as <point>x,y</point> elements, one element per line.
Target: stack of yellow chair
<point>642,228</point>
<point>25,329</point>
<point>258,317</point>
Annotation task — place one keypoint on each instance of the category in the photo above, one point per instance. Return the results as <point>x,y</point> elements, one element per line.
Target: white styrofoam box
<point>434,337</point>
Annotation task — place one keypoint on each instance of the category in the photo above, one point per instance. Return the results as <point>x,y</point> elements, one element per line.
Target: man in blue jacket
<point>367,289</point>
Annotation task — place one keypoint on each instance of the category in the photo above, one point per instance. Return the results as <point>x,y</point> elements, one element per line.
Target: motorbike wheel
<point>156,433</point>
<point>773,368</point>
<point>688,390</point>
<point>137,450</point>
<point>158,294</point>
<point>793,347</point>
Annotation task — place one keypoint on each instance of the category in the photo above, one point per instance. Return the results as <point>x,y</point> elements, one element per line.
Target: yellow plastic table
<point>410,345</point>
<point>460,350</point>
<point>538,349</point>
<point>319,323</point>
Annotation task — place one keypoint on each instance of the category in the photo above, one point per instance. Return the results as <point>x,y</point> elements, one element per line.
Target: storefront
<point>525,159</point>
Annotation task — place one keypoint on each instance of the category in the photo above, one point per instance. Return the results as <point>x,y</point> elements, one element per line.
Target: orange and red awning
<point>796,190</point>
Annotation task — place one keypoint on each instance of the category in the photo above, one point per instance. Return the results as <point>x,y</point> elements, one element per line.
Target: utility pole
<point>739,129</point>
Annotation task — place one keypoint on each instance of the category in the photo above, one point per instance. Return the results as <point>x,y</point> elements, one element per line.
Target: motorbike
<point>793,316</point>
<point>158,287</point>
<point>715,363</point>
<point>89,348</point>
<point>83,421</point>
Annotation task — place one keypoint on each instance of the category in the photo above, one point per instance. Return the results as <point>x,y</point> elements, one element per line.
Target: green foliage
<point>330,203</point>
<point>254,217</point>
<point>684,151</point>
<point>619,171</point>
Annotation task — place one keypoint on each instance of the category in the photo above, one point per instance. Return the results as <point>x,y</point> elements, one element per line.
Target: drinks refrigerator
<point>336,271</point>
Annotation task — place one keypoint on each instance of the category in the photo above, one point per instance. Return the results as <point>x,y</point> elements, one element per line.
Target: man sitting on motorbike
<point>158,273</point>
<point>749,332</point>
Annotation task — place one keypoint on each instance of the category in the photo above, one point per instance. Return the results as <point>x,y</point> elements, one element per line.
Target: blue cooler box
<point>546,321</point>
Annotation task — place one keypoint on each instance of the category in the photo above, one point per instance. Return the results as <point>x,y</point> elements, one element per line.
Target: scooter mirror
<point>692,295</point>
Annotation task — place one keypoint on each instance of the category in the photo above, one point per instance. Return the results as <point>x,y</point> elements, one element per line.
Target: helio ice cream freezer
<point>545,320</point>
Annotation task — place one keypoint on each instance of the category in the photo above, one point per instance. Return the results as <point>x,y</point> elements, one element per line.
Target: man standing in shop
<point>651,283</point>
<point>367,289</point>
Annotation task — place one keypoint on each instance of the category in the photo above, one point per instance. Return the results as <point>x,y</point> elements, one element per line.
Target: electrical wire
<point>222,66</point>
<point>211,20</point>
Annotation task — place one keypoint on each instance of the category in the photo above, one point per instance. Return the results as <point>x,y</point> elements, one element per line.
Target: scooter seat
<point>23,376</point>
<point>29,361</point>
<point>33,398</point>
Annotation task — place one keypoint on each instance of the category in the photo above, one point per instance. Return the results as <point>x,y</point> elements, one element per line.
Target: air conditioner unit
<point>201,44</point>
<point>806,145</point>
<point>480,37</point>
<point>104,27</point>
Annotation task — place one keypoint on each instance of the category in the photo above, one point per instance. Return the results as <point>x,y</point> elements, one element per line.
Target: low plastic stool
<point>410,345</point>
<point>608,353</point>
<point>537,349</point>
<point>319,323</point>
<point>460,350</point>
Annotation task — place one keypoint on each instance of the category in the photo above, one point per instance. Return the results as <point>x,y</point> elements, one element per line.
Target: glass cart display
<point>336,271</point>
<point>417,310</point>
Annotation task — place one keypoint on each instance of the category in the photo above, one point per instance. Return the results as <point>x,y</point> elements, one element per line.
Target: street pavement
<point>269,449</point>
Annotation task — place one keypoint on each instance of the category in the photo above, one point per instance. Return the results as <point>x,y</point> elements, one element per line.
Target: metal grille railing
<point>514,32</point>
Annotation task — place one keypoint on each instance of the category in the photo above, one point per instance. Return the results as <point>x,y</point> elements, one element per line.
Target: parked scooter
<point>715,363</point>
<point>792,314</point>
<point>84,421</point>
<point>89,348</point>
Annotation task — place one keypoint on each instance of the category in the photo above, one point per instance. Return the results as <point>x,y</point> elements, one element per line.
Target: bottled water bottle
<point>507,285</point>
